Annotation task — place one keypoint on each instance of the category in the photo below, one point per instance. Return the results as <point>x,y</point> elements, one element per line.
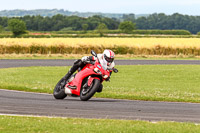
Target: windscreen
<point>103,62</point>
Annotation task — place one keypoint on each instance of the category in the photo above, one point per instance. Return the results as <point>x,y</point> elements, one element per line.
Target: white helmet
<point>108,55</point>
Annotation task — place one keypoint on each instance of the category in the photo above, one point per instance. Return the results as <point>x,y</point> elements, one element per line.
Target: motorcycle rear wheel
<point>92,90</point>
<point>59,91</point>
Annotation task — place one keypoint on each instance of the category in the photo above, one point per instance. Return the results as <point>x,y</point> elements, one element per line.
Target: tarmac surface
<point>6,63</point>
<point>14,102</point>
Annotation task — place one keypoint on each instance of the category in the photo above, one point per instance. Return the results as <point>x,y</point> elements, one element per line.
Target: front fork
<point>89,83</point>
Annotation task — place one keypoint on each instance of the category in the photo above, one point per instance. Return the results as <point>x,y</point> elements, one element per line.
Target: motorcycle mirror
<point>93,53</point>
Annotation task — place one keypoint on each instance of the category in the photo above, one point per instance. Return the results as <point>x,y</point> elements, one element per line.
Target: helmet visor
<point>110,60</point>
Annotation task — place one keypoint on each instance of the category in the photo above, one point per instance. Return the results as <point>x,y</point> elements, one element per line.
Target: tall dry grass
<point>137,46</point>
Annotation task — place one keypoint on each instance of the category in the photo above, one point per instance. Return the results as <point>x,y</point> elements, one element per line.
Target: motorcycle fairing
<point>77,81</point>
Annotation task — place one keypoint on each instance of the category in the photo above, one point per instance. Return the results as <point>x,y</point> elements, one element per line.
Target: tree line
<point>52,12</point>
<point>61,22</point>
<point>154,21</point>
<point>169,22</point>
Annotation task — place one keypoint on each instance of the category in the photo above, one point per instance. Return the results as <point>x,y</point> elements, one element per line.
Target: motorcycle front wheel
<point>87,93</point>
<point>59,91</point>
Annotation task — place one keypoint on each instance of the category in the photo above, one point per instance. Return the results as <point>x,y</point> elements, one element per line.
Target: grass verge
<point>177,83</point>
<point>74,125</point>
<point>117,57</point>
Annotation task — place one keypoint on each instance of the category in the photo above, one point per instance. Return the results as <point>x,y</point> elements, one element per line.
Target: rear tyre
<point>86,94</point>
<point>59,91</point>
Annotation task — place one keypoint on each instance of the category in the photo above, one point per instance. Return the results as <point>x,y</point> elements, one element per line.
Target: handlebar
<point>114,69</point>
<point>92,62</point>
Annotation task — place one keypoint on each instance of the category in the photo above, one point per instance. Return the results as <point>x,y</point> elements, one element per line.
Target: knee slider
<point>77,61</point>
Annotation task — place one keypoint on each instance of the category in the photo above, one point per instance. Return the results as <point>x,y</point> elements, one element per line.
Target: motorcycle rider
<point>107,58</point>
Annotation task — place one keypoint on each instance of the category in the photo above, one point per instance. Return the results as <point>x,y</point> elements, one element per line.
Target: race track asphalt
<point>4,63</point>
<point>24,103</point>
<point>12,102</point>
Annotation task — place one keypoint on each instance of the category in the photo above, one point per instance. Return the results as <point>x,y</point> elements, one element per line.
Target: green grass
<point>178,83</point>
<point>74,125</point>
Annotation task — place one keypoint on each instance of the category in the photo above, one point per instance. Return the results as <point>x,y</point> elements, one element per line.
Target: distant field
<point>136,46</point>
<point>178,83</point>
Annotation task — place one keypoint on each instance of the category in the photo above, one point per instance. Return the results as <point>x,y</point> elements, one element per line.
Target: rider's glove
<point>115,70</point>
<point>85,59</point>
<point>108,79</point>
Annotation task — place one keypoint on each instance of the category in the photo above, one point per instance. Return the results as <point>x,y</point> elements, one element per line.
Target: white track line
<point>1,114</point>
<point>26,92</point>
<point>154,122</point>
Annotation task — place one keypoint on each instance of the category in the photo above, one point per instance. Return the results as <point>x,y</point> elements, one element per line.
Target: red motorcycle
<point>85,83</point>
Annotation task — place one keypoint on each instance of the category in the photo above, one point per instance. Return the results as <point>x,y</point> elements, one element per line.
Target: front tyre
<point>86,94</point>
<point>59,91</point>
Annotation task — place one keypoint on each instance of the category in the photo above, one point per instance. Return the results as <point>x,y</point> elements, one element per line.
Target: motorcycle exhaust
<point>67,91</point>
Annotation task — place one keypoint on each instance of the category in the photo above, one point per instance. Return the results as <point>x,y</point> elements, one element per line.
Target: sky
<point>189,7</point>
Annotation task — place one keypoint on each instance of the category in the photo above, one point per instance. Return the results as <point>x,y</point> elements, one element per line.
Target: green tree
<point>1,29</point>
<point>128,17</point>
<point>127,26</point>
<point>17,26</point>
<point>85,27</point>
<point>101,28</point>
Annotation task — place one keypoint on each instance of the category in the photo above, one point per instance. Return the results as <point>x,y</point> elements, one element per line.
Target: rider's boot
<point>77,64</point>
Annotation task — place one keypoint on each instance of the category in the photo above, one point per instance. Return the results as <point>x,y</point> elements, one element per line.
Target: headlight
<point>105,76</point>
<point>96,70</point>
